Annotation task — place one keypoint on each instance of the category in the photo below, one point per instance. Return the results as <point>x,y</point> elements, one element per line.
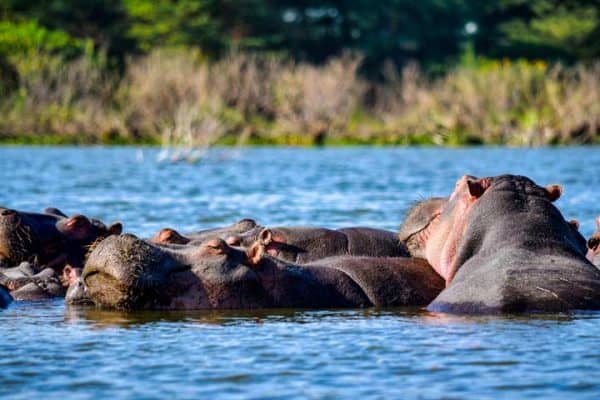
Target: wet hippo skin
<point>502,246</point>
<point>50,239</point>
<point>124,272</point>
<point>306,244</point>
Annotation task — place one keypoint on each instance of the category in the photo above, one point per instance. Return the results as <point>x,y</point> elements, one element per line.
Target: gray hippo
<point>593,244</point>
<point>296,244</point>
<point>124,272</point>
<point>302,245</point>
<point>416,225</point>
<point>26,282</point>
<point>50,239</point>
<point>502,246</point>
<point>171,236</point>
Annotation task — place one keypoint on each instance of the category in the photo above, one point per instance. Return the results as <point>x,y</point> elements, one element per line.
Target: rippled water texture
<point>49,351</point>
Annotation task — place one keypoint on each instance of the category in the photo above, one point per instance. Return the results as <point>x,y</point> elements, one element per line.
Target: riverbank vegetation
<point>154,73</point>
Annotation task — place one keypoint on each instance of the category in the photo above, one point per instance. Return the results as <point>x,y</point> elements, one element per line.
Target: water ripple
<point>51,351</point>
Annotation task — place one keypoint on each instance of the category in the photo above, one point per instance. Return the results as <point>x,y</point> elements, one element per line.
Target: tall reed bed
<point>178,97</point>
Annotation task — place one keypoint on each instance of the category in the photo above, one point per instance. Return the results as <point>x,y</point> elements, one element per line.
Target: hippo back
<point>518,254</point>
<point>306,244</point>
<point>374,242</point>
<point>390,281</point>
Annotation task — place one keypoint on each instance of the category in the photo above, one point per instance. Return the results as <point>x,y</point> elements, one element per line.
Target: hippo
<point>302,245</point>
<point>593,245</point>
<point>502,246</point>
<point>50,239</point>
<point>28,282</point>
<point>171,236</point>
<point>415,227</point>
<point>124,272</point>
<point>25,283</point>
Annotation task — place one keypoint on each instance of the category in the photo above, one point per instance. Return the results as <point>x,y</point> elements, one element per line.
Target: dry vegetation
<point>178,98</point>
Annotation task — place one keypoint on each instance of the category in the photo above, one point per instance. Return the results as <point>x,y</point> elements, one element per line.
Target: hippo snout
<point>123,272</point>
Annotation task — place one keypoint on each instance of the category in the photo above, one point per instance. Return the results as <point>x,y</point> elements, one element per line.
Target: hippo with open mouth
<point>502,246</point>
<point>124,272</point>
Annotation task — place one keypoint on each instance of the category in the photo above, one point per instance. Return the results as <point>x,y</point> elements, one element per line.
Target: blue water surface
<point>52,351</point>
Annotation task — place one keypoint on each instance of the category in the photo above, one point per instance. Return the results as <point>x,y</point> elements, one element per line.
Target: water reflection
<point>100,318</point>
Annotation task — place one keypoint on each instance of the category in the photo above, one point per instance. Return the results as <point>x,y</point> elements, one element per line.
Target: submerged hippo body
<point>124,272</point>
<point>303,245</point>
<point>50,239</point>
<point>502,246</point>
<point>171,236</point>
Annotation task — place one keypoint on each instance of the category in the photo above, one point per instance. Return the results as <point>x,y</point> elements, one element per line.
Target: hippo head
<point>593,245</point>
<point>82,229</point>
<point>447,230</point>
<point>18,241</point>
<point>415,228</point>
<point>124,272</point>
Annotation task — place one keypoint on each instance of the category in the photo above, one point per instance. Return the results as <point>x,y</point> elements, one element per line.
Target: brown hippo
<point>124,272</point>
<point>302,245</point>
<point>502,246</point>
<point>50,239</point>
<point>593,244</point>
<point>414,230</point>
<point>171,236</point>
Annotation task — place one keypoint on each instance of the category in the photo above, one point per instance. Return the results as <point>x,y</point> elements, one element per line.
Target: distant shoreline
<point>282,141</point>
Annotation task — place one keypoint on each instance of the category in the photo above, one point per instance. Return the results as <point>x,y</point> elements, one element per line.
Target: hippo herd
<point>495,245</point>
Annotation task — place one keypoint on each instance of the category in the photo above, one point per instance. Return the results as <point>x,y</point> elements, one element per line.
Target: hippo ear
<point>477,187</point>
<point>265,237</point>
<point>598,223</point>
<point>116,228</point>
<point>255,254</point>
<point>553,192</point>
<point>575,224</point>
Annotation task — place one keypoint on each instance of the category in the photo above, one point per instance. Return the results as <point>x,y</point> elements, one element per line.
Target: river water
<point>52,351</point>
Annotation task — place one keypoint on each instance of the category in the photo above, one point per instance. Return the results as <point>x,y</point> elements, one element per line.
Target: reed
<point>178,98</point>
